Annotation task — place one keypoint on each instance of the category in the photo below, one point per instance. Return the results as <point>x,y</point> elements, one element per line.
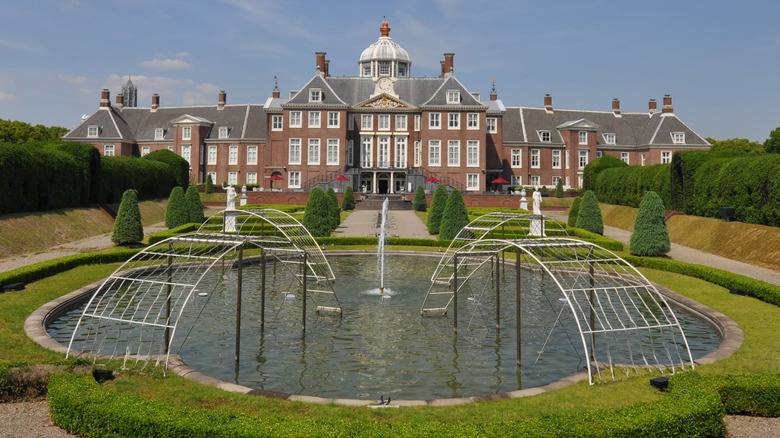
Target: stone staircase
<point>374,201</point>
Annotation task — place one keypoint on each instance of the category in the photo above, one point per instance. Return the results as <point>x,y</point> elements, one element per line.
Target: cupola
<point>384,57</point>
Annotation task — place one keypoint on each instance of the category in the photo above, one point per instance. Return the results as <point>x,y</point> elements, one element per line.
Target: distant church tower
<point>130,94</point>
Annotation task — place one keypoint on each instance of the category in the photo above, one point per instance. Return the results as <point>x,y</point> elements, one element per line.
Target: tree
<point>194,206</point>
<point>209,184</point>
<point>650,237</point>
<point>420,203</point>
<point>438,203</point>
<point>334,210</point>
<point>574,210</point>
<point>348,201</point>
<point>559,189</point>
<point>127,226</point>
<point>772,144</point>
<point>176,210</point>
<point>455,216</point>
<point>736,144</point>
<point>315,217</point>
<point>589,217</point>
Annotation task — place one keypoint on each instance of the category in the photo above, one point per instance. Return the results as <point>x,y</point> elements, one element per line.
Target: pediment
<point>580,125</point>
<point>384,101</point>
<point>187,119</point>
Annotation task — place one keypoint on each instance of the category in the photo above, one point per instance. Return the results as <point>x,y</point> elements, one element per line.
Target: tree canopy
<point>736,144</point>
<point>772,144</point>
<point>22,133</point>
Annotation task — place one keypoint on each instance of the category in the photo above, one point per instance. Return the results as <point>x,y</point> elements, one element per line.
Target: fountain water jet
<point>381,247</point>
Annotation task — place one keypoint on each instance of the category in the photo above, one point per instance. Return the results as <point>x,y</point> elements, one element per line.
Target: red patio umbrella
<point>341,178</point>
<point>275,177</point>
<point>500,180</point>
<point>432,179</point>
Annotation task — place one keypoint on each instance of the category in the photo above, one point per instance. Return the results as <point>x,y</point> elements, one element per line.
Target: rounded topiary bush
<point>650,237</point>
<point>589,218</point>
<point>316,217</point>
<point>334,210</point>
<point>574,210</point>
<point>348,201</point>
<point>194,206</point>
<point>420,203</point>
<point>176,210</point>
<point>127,225</point>
<point>455,216</point>
<point>436,211</point>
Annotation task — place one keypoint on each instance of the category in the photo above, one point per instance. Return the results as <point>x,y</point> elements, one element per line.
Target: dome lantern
<point>384,57</point>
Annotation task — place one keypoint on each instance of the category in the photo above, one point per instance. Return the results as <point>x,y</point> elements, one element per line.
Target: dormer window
<point>159,133</point>
<point>92,131</point>
<point>453,97</point>
<point>544,136</point>
<point>315,95</point>
<point>678,137</point>
<point>609,138</point>
<point>223,132</point>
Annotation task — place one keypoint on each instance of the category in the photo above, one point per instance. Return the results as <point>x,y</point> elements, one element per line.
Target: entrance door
<point>383,183</point>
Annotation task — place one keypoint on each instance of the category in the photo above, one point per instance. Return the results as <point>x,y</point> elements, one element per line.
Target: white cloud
<point>71,79</point>
<point>166,64</point>
<point>6,97</point>
<point>203,94</point>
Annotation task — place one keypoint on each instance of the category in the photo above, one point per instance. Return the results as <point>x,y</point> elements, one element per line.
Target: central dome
<point>384,57</point>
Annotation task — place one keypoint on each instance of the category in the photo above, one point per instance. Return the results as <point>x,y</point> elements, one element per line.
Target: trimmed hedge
<point>162,235</point>
<point>627,185</point>
<point>685,164</point>
<point>595,167</point>
<point>178,167</point>
<point>436,211</point>
<point>152,179</point>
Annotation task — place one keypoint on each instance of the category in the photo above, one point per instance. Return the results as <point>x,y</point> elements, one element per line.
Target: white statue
<point>231,198</point>
<point>537,196</point>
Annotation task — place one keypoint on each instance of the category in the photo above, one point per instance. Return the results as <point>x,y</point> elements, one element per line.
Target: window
<point>417,122</point>
<point>384,122</point>
<point>334,119</point>
<point>213,176</point>
<point>567,159</point>
<point>453,153</point>
<point>434,120</point>
<point>544,136</point>
<point>212,155</point>
<point>333,151</point>
<point>453,121</point>
<point>145,150</point>
<point>583,137</point>
<point>365,152</point>
<point>401,69</point>
<point>367,69</point>
<point>535,160</point>
<point>400,122</point>
<point>295,151</point>
<point>350,121</point>
<point>186,133</point>
<point>223,132</point>
<point>516,158</point>
<point>159,133</point>
<point>624,157</point>
<point>232,178</point>
<point>609,138</point>
<point>583,159</point>
<point>555,180</point>
<point>384,67</point>
<point>472,181</point>
<point>92,131</point>
<point>666,157</point>
<point>491,125</point>
<point>516,180</point>
<point>400,152</point>
<point>599,154</point>
<point>678,137</point>
<point>277,123</point>
<point>383,160</point>
<point>315,95</point>
<point>417,154</point>
<point>251,177</point>
<point>556,159</point>
<point>535,180</point>
<point>434,152</point>
<point>644,159</point>
<point>366,122</point>
<point>472,153</point>
<point>314,119</point>
<point>202,157</point>
<point>233,154</point>
<point>170,148</point>
<point>186,152</point>
<point>108,150</point>
<point>472,121</point>
<point>314,151</point>
<point>294,179</point>
<point>295,119</point>
<point>350,152</point>
<point>251,155</point>
<point>453,97</point>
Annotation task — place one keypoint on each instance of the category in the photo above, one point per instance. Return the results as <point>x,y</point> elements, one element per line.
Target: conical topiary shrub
<point>348,201</point>
<point>315,217</point>
<point>209,184</point>
<point>176,210</point>
<point>650,237</point>
<point>574,210</point>
<point>455,216</point>
<point>438,203</point>
<point>559,189</point>
<point>194,206</point>
<point>589,217</point>
<point>127,226</point>
<point>420,203</point>
<point>334,210</point>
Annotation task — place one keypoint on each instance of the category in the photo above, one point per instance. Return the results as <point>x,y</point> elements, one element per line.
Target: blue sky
<point>719,60</point>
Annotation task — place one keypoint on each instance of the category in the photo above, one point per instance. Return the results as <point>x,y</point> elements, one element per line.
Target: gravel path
<point>28,419</point>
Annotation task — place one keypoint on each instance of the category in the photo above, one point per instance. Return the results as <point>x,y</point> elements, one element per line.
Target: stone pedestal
<point>537,226</point>
<point>524,203</point>
<point>229,221</point>
<point>242,200</point>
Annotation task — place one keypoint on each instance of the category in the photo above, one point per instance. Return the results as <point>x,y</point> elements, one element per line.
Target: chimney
<point>120,100</point>
<point>222,100</point>
<point>493,94</point>
<point>105,98</point>
<point>327,66</point>
<point>442,68</point>
<point>276,92</point>
<point>449,65</point>
<point>548,103</point>
<point>652,106</point>
<point>667,108</point>
<point>616,106</point>
<point>320,62</point>
<point>155,101</point>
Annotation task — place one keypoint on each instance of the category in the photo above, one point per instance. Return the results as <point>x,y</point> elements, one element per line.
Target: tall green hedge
<point>685,164</point>
<point>589,217</point>
<point>574,211</point>
<point>179,167</point>
<point>650,236</point>
<point>595,167</point>
<point>316,218</point>
<point>348,201</point>
<point>626,185</point>
<point>88,157</point>
<point>194,205</point>
<point>152,179</point>
<point>127,226</point>
<point>176,213</point>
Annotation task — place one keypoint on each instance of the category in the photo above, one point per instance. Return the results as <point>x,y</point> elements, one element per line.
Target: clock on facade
<point>385,85</point>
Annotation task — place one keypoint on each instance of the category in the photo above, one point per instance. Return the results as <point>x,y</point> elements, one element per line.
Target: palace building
<point>386,131</point>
